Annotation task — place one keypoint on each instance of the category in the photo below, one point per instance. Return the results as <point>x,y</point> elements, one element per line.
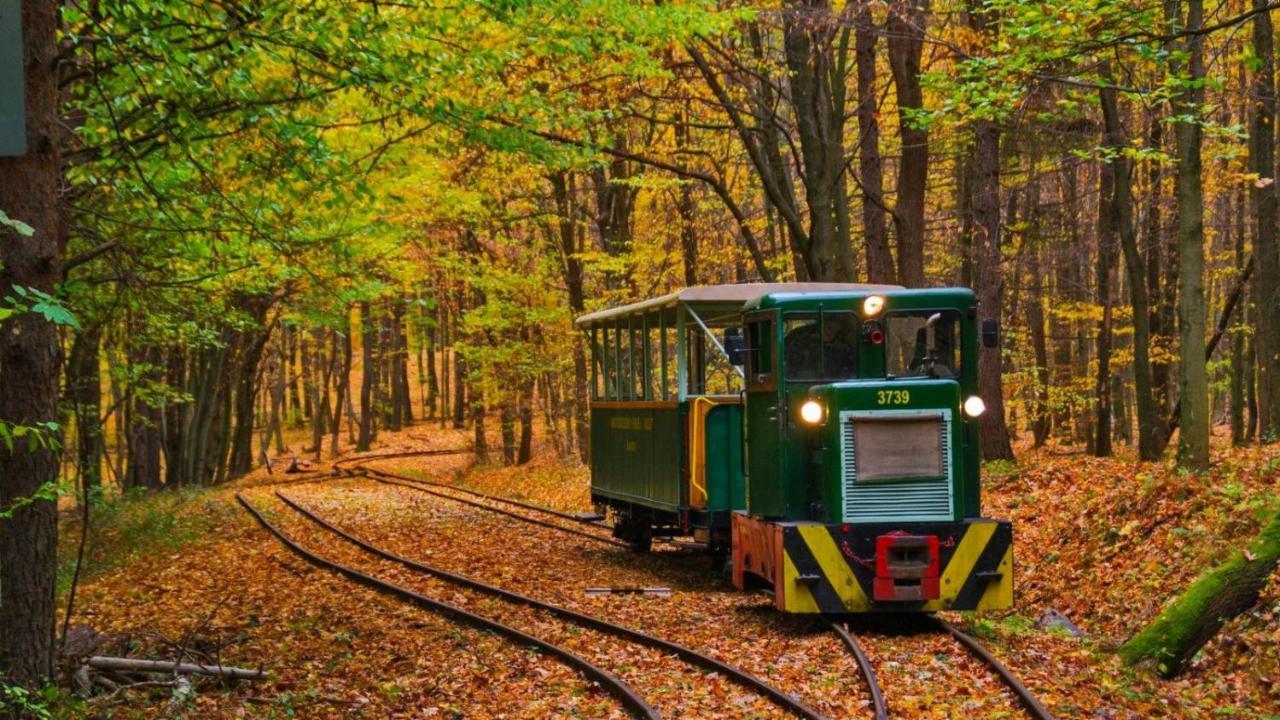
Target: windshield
<point>922,343</point>
<point>821,346</point>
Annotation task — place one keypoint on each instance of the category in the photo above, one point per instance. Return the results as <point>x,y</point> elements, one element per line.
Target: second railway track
<point>880,708</point>
<point>708,667</point>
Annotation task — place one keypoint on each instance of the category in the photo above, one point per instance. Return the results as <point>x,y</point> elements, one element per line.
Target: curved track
<point>687,654</point>
<point>359,461</point>
<point>1029,702</point>
<point>389,478</point>
<point>615,686</point>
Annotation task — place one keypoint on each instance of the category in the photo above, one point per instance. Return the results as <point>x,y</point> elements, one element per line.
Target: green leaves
<point>17,226</point>
<point>25,299</point>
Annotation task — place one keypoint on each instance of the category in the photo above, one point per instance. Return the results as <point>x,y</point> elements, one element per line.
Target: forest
<point>244,238</point>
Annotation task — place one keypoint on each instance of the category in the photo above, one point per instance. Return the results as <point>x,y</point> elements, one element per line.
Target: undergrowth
<point>127,527</point>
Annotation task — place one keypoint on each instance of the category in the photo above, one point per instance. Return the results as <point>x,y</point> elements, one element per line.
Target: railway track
<point>357,467</point>
<point>620,690</point>
<point>689,656</point>
<point>467,491</point>
<point>485,502</point>
<point>1030,703</point>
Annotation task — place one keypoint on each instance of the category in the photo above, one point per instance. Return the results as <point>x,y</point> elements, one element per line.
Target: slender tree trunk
<point>507,416</point>
<point>84,392</point>
<point>368,413</point>
<point>343,382</point>
<point>1040,417</point>
<point>1238,371</point>
<point>1119,208</point>
<point>1100,444</point>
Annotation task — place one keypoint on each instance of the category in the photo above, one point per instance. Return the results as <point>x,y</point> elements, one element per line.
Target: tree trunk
<point>1193,383</point>
<point>994,436</point>
<point>1266,248</point>
<point>507,421</point>
<point>84,392</point>
<point>1100,443</point>
<point>343,382</point>
<point>368,414</point>
<point>1120,210</point>
<point>1192,620</point>
<point>905,29</point>
<point>1040,417</point>
<point>815,47</point>
<point>875,232</point>
<point>29,358</point>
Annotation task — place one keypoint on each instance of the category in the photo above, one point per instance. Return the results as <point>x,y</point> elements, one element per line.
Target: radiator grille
<point>896,465</point>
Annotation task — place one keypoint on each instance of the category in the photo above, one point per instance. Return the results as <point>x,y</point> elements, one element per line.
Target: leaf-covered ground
<point>1101,541</point>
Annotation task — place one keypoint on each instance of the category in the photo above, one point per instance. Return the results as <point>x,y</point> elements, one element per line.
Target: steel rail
<point>468,491</point>
<point>400,481</point>
<point>1029,701</point>
<point>689,655</point>
<point>398,454</point>
<point>615,686</point>
<point>864,664</point>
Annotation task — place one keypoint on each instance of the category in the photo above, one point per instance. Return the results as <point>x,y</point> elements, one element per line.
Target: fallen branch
<point>1191,621</point>
<point>101,662</point>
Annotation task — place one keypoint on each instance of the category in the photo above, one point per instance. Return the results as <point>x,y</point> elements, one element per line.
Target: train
<point>821,438</point>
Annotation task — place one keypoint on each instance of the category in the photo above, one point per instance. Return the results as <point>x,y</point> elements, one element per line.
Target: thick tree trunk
<point>1266,247</point>
<point>816,53</point>
<point>994,437</point>
<point>247,376</point>
<point>875,232</point>
<point>905,29</point>
<point>29,359</point>
<point>1192,620</point>
<point>1193,382</point>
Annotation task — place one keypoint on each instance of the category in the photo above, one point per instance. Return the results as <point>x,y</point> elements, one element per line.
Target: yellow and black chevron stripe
<point>830,568</point>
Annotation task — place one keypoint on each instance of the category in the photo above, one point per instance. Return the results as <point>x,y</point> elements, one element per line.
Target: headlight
<point>872,306</point>
<point>811,412</point>
<point>973,406</point>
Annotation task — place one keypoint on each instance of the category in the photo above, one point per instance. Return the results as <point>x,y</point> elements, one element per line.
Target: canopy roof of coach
<point>706,299</point>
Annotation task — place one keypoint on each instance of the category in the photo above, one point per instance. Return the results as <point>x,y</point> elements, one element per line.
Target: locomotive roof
<point>732,295</point>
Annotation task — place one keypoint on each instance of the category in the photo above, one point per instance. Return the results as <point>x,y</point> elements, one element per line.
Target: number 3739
<point>893,397</point>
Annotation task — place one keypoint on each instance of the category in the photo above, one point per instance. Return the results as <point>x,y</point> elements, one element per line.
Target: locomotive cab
<point>861,425</point>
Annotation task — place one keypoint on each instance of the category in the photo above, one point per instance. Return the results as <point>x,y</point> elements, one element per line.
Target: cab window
<point>820,347</point>
<point>922,343</point>
<point>760,354</point>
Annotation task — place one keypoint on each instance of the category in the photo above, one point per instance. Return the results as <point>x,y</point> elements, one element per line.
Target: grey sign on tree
<point>13,125</point>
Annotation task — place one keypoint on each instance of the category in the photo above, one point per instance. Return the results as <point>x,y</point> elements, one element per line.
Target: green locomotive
<point>822,435</point>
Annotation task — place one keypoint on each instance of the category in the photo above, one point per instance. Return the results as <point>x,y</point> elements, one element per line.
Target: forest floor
<point>1102,542</point>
